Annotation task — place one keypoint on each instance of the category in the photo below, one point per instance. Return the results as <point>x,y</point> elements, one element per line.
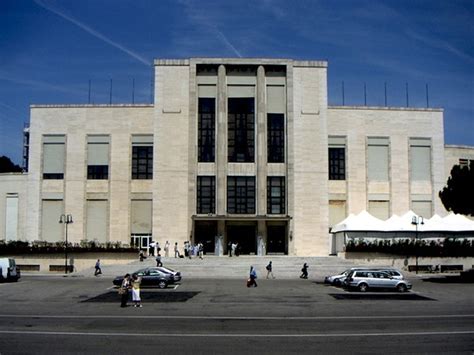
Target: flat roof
<point>242,61</point>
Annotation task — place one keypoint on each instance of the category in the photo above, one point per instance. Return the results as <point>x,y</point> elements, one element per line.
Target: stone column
<point>221,141</point>
<point>261,151</point>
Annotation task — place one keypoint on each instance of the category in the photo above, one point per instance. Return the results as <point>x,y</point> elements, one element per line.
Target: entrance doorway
<point>276,239</point>
<point>243,234</point>
<point>140,241</point>
<point>205,232</point>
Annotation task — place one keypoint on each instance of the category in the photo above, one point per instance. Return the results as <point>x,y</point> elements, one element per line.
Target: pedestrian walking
<point>229,248</point>
<point>304,271</point>
<point>167,249</point>
<point>252,277</point>
<point>269,268</point>
<point>158,260</point>
<point>141,255</point>
<point>123,290</point>
<point>136,290</point>
<point>98,270</point>
<point>151,249</point>
<point>176,250</point>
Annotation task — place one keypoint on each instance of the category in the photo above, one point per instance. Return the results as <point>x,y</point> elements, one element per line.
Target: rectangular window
<point>420,159</point>
<point>337,211</point>
<point>276,195</point>
<point>98,157</point>
<point>241,129</point>
<point>141,217</point>
<point>206,129</point>
<point>422,208</point>
<point>379,209</point>
<point>97,220</point>
<point>337,158</point>
<point>377,158</point>
<point>206,194</point>
<point>142,157</point>
<point>276,138</point>
<point>51,229</point>
<point>53,156</point>
<point>241,194</point>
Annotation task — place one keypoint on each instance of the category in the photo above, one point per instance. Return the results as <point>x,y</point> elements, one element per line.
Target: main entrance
<point>276,239</point>
<point>243,234</point>
<point>205,232</point>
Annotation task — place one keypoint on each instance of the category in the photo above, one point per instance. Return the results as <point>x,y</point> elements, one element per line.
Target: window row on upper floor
<point>378,158</point>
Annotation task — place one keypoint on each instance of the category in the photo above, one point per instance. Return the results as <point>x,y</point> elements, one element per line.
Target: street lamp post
<point>416,220</point>
<point>66,219</point>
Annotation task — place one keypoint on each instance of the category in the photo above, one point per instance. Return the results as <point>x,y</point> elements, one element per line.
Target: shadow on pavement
<point>381,296</point>
<point>449,280</point>
<point>146,296</point>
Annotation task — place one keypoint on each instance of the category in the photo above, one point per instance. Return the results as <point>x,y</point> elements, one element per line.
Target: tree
<point>7,166</point>
<point>458,194</point>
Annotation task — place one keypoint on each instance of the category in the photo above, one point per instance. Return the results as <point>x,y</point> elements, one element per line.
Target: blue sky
<point>50,49</point>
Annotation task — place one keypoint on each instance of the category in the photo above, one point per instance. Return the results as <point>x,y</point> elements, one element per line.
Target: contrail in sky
<point>92,32</point>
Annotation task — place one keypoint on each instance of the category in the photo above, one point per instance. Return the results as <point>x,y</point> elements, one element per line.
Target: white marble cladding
<point>399,124</point>
<point>310,162</point>
<point>171,195</point>
<point>13,185</point>
<point>76,122</point>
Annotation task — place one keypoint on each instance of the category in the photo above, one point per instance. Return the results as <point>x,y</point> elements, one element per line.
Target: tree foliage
<point>7,166</point>
<point>458,194</point>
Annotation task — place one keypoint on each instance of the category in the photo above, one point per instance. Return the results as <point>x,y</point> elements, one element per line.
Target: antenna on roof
<point>151,85</point>
<point>89,100</point>
<point>365,95</point>
<point>427,97</point>
<point>406,89</point>
<point>133,90</point>
<point>110,101</point>
<point>385,85</point>
<point>343,98</point>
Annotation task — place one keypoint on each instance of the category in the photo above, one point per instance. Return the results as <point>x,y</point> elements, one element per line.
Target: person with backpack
<point>269,268</point>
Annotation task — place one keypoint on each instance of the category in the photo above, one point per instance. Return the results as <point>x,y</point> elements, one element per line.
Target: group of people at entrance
<point>233,248</point>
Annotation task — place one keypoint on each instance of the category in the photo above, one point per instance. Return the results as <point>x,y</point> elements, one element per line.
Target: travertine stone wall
<point>310,161</point>
<point>13,183</point>
<point>171,167</point>
<point>399,124</point>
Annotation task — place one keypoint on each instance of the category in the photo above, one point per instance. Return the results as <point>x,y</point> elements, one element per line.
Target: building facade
<point>232,150</point>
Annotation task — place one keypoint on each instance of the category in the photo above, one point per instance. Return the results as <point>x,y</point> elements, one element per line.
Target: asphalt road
<point>58,315</point>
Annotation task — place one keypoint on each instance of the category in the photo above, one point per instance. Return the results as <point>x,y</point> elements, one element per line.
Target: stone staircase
<point>223,267</point>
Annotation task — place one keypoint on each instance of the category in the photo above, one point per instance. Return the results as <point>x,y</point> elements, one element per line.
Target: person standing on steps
<point>176,250</point>
<point>304,271</point>
<point>269,268</point>
<point>252,278</point>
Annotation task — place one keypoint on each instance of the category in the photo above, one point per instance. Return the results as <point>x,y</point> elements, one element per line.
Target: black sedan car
<point>151,277</point>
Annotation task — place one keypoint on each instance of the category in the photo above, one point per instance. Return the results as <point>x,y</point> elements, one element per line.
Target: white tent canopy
<point>364,221</point>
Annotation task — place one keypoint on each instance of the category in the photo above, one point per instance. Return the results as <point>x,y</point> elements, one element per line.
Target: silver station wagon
<point>364,280</point>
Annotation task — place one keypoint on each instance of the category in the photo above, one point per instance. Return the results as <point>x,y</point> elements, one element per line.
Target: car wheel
<point>337,282</point>
<point>401,288</point>
<point>363,287</point>
<point>162,284</point>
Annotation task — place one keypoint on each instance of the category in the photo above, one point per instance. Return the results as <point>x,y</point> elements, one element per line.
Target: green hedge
<point>40,247</point>
<point>449,247</point>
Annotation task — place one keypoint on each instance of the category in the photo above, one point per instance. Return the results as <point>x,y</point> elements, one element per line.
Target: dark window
<point>206,194</point>
<point>276,138</point>
<point>276,195</point>
<point>241,130</point>
<point>337,164</point>
<point>53,176</point>
<point>206,129</point>
<point>142,162</point>
<point>97,172</point>
<point>241,194</point>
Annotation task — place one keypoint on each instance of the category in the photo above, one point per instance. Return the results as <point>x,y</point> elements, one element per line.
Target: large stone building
<point>243,150</point>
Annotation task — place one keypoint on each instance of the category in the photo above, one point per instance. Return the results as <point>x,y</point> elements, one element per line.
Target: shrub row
<point>41,247</point>
<point>449,247</point>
